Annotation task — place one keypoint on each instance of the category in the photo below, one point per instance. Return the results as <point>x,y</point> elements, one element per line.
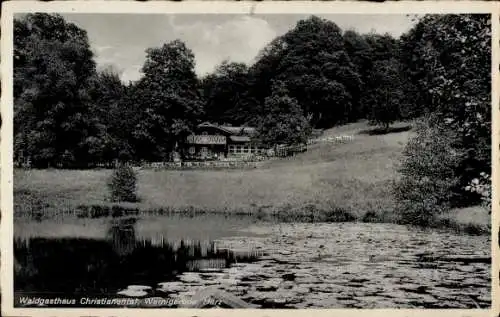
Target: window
<point>204,151</point>
<point>192,150</point>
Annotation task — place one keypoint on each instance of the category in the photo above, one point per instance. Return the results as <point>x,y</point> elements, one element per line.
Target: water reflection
<point>121,235</point>
<point>321,265</point>
<point>106,265</point>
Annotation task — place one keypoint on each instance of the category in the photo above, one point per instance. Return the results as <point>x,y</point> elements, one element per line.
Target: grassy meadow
<point>345,179</point>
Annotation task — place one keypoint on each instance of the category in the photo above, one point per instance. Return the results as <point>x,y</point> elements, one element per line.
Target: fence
<point>170,165</point>
<point>331,139</point>
<point>249,161</point>
<point>200,165</point>
<point>282,151</point>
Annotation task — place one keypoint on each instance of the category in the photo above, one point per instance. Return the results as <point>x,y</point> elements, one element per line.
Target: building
<point>218,142</point>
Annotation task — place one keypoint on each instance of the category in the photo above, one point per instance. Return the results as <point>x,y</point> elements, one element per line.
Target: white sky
<point>121,39</point>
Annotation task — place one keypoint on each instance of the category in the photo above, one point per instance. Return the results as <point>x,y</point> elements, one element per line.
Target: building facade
<point>218,142</point>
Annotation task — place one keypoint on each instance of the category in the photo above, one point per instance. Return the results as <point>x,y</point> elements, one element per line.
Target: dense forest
<point>315,76</point>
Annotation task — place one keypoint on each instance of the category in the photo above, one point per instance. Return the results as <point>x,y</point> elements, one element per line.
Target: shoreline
<point>308,214</point>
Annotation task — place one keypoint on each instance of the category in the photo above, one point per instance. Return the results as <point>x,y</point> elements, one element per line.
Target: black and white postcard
<point>177,157</point>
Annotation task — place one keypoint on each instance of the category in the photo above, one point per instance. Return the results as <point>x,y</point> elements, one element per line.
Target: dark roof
<point>239,130</point>
<point>239,138</point>
<point>230,129</point>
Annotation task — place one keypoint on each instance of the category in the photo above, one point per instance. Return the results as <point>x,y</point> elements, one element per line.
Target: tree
<point>360,52</point>
<point>114,116</point>
<point>264,71</point>
<point>311,60</point>
<point>53,68</point>
<point>369,52</point>
<point>169,99</point>
<point>382,47</point>
<point>227,95</point>
<point>284,122</point>
<point>386,96</point>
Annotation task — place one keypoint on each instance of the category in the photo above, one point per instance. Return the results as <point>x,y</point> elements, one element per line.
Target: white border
<point>495,156</point>
<point>217,7</point>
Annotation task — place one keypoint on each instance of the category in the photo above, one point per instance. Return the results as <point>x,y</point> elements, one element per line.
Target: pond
<point>164,261</point>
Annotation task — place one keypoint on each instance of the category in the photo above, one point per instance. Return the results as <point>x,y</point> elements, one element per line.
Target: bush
<point>338,215</point>
<point>429,182</point>
<point>123,184</point>
<point>370,216</point>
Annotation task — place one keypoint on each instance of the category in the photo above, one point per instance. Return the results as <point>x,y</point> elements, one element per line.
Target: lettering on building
<point>206,139</point>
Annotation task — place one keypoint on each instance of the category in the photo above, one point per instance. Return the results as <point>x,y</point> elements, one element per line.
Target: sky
<point>120,40</point>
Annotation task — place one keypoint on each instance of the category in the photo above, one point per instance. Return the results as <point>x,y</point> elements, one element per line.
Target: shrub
<point>429,182</point>
<point>370,216</point>
<point>123,184</point>
<point>338,215</point>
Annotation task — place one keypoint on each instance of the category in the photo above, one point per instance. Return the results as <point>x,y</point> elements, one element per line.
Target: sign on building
<point>206,139</point>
